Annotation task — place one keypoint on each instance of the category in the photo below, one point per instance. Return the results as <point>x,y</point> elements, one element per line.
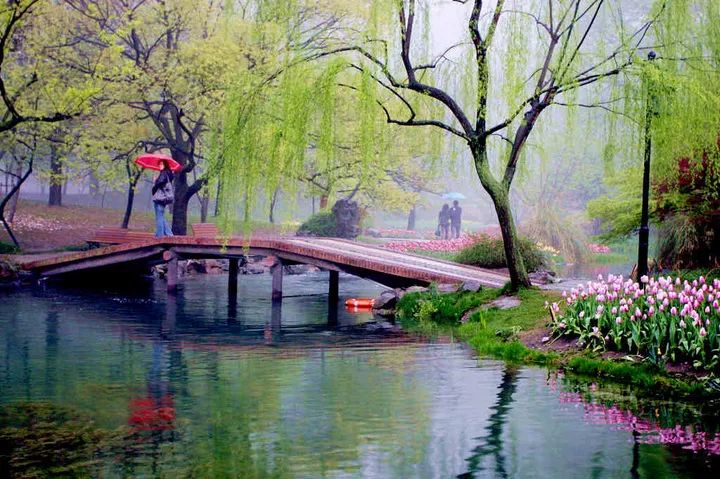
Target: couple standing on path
<point>449,220</point>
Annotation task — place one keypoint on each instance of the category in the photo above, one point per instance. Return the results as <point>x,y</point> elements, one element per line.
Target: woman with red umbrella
<point>163,195</point>
<point>162,190</point>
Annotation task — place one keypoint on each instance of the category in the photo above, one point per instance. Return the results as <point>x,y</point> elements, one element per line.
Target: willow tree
<point>674,102</point>
<point>316,126</point>
<point>290,121</point>
<point>525,56</point>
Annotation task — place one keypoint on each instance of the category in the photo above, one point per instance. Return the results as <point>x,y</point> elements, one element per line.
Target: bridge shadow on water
<point>200,314</point>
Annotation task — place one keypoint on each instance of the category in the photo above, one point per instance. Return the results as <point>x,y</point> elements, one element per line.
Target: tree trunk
<point>6,199</point>
<point>128,206</point>
<point>56,182</point>
<point>204,206</point>
<point>93,185</point>
<point>12,204</point>
<point>180,205</point>
<point>411,219</point>
<point>12,207</point>
<point>273,202</point>
<point>501,200</point>
<point>323,202</point>
<point>516,266</point>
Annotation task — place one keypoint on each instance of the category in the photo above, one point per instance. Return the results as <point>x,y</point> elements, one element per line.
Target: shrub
<point>488,252</point>
<point>442,308</point>
<point>319,224</point>
<point>667,319</point>
<point>430,306</point>
<point>7,248</point>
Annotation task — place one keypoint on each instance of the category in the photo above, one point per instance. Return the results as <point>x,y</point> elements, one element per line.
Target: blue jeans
<point>162,228</point>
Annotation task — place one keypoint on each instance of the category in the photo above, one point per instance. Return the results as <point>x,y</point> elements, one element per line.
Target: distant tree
<point>33,89</point>
<point>559,60</point>
<point>19,150</point>
<point>168,60</point>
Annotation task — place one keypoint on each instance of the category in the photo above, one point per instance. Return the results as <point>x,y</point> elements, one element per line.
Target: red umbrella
<point>153,161</point>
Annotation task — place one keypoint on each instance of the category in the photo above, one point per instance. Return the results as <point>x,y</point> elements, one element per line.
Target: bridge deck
<point>384,266</point>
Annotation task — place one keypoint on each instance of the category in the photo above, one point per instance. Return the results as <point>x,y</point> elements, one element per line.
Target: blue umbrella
<point>454,195</point>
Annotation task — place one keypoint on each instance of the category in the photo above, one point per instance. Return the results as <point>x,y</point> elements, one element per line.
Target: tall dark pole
<point>644,229</point>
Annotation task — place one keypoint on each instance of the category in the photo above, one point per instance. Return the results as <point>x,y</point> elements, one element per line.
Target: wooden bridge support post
<point>172,270</point>
<point>333,298</point>
<point>233,271</point>
<point>333,295</point>
<point>233,279</point>
<point>167,327</point>
<point>277,280</point>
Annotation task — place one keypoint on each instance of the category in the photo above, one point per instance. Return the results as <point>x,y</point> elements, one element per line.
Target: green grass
<point>640,375</point>
<point>608,258</point>
<point>496,333</point>
<point>492,332</point>
<point>691,274</point>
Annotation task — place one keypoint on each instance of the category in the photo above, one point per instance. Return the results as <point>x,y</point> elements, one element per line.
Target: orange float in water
<point>360,303</point>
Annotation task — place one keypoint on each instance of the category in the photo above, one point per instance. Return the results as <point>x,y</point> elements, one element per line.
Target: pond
<point>120,383</point>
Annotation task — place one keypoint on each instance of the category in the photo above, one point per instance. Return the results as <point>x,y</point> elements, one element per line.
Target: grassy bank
<point>515,335</point>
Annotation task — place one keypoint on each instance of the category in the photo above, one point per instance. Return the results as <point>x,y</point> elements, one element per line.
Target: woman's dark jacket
<point>165,177</point>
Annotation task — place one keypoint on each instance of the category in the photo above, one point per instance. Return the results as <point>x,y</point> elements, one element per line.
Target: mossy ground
<point>502,333</point>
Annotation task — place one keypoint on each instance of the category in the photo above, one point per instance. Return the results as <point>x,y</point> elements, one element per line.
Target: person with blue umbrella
<point>455,213</point>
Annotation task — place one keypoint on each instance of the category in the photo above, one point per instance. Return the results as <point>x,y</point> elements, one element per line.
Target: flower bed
<point>598,248</point>
<point>433,246</point>
<point>402,233</point>
<point>668,319</point>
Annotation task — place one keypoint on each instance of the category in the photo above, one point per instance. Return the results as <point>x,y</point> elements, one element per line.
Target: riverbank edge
<point>512,335</point>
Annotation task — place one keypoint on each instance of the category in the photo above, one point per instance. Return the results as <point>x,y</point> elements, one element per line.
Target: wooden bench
<point>205,230</point>
<point>107,235</point>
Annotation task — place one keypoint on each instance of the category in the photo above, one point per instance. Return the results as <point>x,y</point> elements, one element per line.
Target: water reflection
<point>644,430</point>
<point>490,445</point>
<point>177,388</point>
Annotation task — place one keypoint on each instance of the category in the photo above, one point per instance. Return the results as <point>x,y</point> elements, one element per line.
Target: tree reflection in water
<point>491,443</point>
